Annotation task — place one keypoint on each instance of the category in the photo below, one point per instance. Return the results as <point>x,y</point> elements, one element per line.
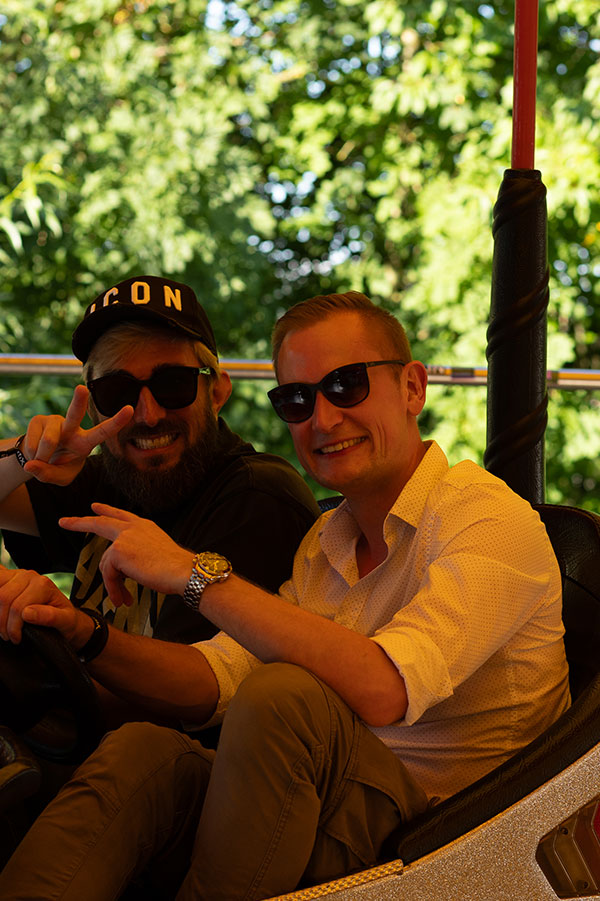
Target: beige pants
<point>299,792</point>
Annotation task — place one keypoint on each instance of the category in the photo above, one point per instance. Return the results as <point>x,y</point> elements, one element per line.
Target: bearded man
<point>154,393</point>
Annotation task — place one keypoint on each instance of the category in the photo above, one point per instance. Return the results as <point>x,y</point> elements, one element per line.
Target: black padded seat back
<point>575,537</point>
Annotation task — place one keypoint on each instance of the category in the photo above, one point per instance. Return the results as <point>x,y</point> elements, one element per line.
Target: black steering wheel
<point>47,697</point>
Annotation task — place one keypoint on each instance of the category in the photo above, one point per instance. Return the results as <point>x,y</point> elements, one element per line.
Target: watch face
<point>214,565</point>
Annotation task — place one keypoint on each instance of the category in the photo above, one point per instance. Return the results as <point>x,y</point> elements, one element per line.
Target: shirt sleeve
<point>489,576</point>
<point>230,663</point>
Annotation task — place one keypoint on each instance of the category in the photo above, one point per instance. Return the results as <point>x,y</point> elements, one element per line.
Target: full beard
<point>159,490</point>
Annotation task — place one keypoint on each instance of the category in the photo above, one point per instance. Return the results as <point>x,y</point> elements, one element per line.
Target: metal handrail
<point>64,364</point>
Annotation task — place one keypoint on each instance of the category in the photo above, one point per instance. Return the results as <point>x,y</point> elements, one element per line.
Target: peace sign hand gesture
<point>56,447</point>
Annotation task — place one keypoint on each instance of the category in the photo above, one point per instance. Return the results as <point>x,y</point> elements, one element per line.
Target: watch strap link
<point>194,588</point>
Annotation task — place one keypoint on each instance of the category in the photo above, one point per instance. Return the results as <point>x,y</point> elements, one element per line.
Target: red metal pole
<point>517,410</point>
<point>525,74</point>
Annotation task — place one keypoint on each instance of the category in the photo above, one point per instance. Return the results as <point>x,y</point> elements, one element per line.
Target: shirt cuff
<point>421,665</point>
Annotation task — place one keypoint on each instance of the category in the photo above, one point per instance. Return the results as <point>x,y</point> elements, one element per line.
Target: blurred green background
<point>267,150</point>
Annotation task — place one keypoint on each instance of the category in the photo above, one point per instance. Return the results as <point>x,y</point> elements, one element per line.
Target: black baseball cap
<point>143,297</point>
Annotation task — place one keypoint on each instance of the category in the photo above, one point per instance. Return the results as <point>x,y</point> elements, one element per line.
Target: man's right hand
<point>56,447</point>
<point>26,596</point>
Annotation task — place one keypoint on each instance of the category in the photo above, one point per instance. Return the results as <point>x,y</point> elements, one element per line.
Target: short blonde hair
<point>315,309</point>
<point>111,346</point>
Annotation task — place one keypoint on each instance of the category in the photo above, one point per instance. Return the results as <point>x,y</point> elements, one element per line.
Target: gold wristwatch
<point>207,568</point>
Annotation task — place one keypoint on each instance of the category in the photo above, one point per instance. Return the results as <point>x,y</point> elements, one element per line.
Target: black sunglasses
<point>343,387</point>
<point>172,387</point>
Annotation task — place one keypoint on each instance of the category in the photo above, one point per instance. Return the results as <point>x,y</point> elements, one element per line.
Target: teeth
<point>153,443</point>
<point>341,445</point>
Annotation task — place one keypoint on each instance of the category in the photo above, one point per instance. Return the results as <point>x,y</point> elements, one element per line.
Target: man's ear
<point>416,384</point>
<point>220,390</point>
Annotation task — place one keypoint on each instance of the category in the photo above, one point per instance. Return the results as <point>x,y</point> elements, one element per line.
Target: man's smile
<point>340,445</point>
<point>154,443</point>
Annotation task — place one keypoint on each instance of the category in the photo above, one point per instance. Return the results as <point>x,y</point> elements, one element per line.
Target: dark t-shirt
<point>251,507</point>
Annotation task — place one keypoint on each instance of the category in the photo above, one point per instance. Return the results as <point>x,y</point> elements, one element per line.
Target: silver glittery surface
<point>496,861</point>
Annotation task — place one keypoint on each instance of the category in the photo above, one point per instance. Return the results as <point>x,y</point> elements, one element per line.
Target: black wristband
<point>18,452</point>
<point>97,641</point>
<point>14,451</point>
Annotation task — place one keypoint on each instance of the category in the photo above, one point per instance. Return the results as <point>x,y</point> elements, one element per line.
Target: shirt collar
<point>408,506</point>
<point>411,501</point>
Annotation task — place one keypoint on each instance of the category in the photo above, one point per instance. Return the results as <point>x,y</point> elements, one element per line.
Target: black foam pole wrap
<point>517,405</point>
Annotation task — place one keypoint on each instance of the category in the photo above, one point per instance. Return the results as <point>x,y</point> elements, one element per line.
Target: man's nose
<point>325,414</point>
<point>147,409</point>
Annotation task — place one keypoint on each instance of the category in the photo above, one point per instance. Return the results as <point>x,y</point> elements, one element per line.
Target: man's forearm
<point>274,630</point>
<point>170,679</point>
<point>264,624</point>
<point>16,512</point>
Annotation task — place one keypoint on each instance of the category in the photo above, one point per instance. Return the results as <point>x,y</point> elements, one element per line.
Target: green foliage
<point>267,150</point>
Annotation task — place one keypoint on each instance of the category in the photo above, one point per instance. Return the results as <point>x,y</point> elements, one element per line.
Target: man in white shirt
<point>417,644</point>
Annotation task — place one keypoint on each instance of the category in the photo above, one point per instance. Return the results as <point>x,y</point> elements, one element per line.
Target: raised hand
<point>139,550</point>
<point>56,447</point>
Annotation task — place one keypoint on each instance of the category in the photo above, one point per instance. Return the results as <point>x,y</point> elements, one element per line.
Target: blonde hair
<point>315,309</point>
<point>110,347</point>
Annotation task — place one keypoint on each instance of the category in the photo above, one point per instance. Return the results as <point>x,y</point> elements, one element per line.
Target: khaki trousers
<point>298,792</point>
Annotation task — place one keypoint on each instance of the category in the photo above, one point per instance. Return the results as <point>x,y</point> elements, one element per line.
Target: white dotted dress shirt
<point>467,604</point>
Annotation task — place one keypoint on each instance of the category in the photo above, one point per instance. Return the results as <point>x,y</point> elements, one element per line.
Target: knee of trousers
<point>136,752</point>
<point>141,740</point>
<point>276,696</point>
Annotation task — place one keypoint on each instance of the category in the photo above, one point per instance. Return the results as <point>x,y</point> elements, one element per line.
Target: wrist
<point>207,568</point>
<point>184,571</point>
<point>96,642</point>
<point>16,451</point>
<point>84,629</point>
<point>21,458</point>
